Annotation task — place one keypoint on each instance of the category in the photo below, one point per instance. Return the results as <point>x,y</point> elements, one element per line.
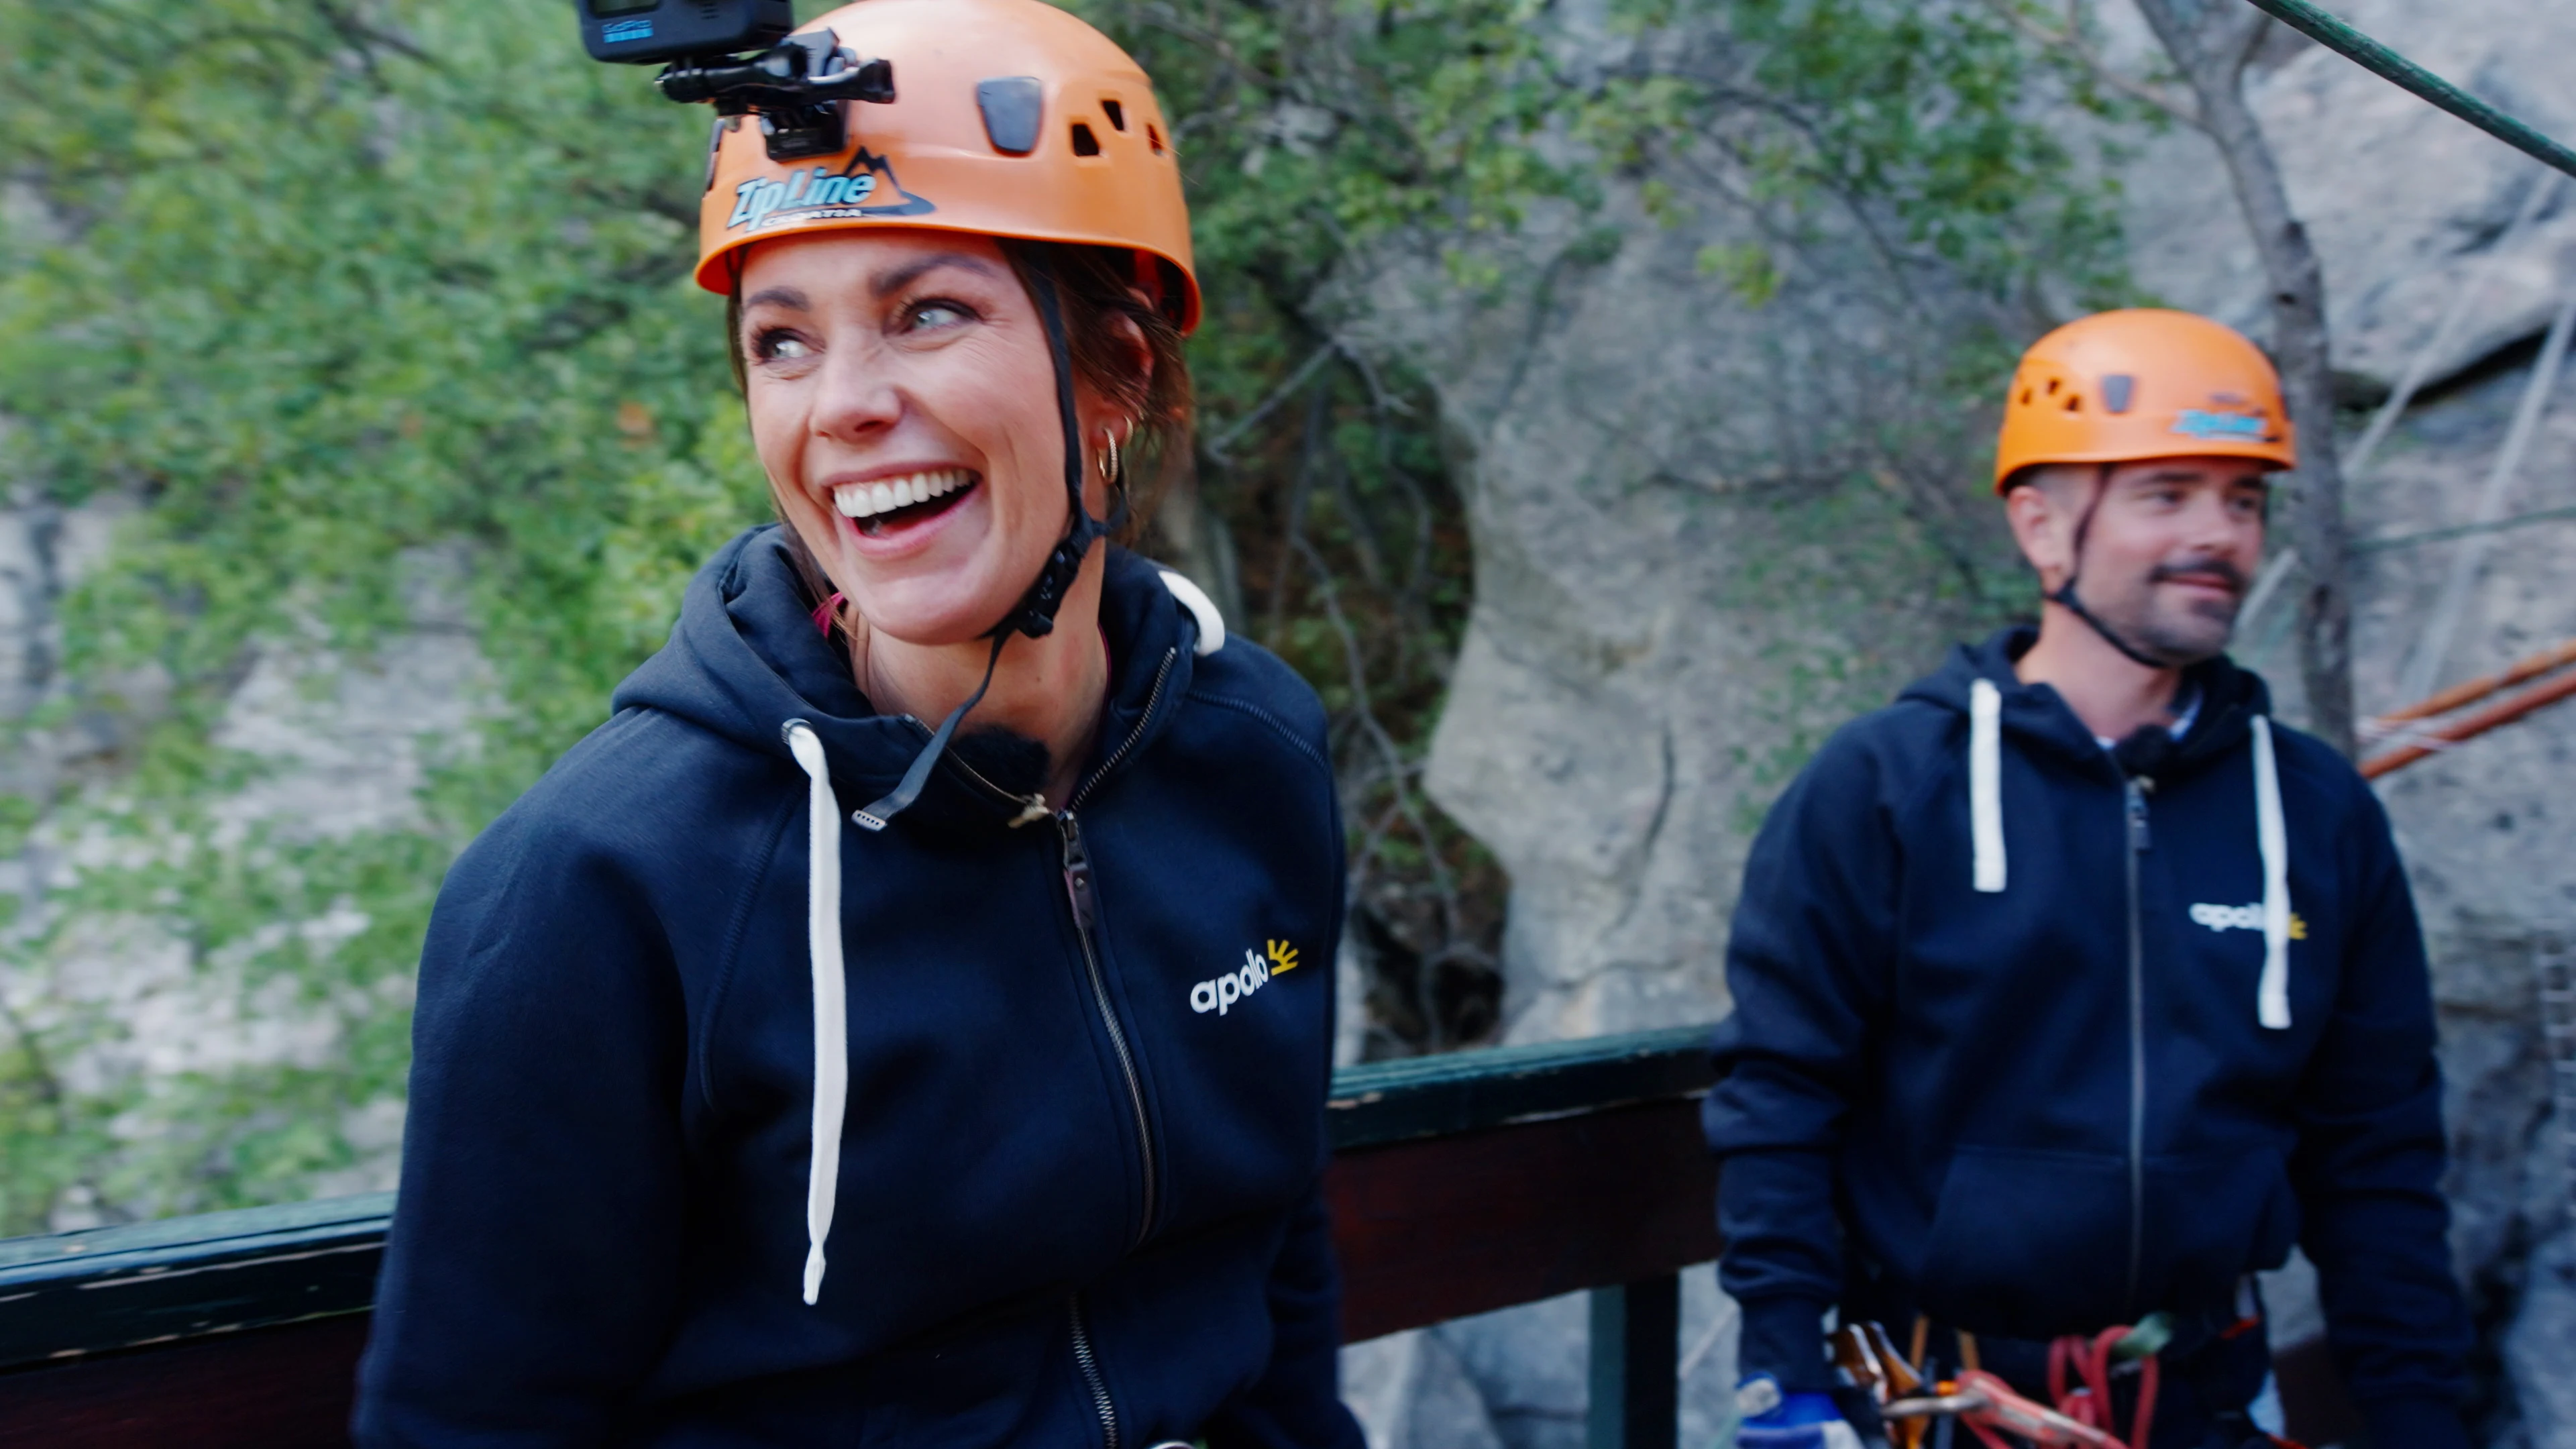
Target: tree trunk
<point>2210,43</point>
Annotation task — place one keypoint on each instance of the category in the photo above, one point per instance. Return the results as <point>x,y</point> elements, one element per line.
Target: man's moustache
<point>2213,571</point>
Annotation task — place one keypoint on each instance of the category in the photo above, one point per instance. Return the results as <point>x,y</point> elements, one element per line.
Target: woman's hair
<point>1098,289</point>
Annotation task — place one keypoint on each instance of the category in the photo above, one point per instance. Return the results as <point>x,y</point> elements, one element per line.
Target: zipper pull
<point>1077,870</point>
<point>2139,839</point>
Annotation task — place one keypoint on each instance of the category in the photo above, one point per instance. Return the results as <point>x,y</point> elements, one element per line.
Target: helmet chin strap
<point>1034,613</point>
<point>2065,596</point>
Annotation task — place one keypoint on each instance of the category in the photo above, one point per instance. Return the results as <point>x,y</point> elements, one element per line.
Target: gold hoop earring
<point>1111,464</point>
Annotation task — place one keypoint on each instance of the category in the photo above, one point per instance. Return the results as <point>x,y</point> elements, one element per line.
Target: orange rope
<point>2494,715</point>
<point>2478,689</point>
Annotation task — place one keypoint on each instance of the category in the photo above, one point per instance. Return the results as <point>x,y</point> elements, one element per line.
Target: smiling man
<point>2072,990</point>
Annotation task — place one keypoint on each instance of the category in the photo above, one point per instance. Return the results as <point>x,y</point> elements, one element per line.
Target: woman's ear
<point>1140,353</point>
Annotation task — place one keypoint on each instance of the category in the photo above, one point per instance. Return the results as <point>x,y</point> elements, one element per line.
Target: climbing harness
<point>1989,1407</point>
<point>2081,1368</point>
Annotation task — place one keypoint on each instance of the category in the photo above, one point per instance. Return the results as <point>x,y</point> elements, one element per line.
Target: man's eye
<point>779,345</point>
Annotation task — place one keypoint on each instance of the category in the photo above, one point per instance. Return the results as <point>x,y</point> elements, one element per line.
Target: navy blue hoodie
<point>2020,1073</point>
<point>1078,1193</point>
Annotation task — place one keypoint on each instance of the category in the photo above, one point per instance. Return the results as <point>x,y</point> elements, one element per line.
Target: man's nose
<point>2216,526</point>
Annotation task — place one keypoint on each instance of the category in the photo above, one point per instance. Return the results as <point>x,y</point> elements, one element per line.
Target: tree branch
<point>2071,42</point>
<point>2212,48</point>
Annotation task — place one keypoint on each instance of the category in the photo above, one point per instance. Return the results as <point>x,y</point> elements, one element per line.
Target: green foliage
<point>323,288</point>
<point>336,289</point>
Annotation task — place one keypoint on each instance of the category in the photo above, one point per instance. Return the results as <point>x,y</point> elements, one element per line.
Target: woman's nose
<point>858,396</point>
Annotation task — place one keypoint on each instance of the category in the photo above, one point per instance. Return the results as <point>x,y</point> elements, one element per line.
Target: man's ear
<point>2041,528</point>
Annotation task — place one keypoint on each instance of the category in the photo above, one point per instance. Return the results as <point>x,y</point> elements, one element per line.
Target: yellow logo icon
<point>1220,993</point>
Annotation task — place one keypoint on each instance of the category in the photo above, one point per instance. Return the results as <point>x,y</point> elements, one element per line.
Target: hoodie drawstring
<point>2272,837</point>
<point>823,918</point>
<point>1985,782</point>
<point>831,994</point>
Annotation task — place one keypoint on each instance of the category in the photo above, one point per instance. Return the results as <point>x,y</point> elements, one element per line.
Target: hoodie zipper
<point>1153,701</point>
<point>1077,889</point>
<point>2135,794</point>
<point>1089,1362</point>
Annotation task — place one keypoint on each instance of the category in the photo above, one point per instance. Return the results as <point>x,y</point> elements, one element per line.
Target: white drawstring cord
<point>2272,837</point>
<point>1202,608</point>
<point>1986,783</point>
<point>831,994</point>
<point>823,932</point>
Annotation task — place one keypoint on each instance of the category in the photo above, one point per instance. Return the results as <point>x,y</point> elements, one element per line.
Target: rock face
<point>1652,649</point>
<point>339,748</point>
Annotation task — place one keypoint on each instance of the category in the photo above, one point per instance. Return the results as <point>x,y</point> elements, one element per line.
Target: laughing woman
<point>793,1071</point>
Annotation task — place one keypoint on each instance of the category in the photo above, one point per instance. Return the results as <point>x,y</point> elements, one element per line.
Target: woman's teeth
<point>865,500</point>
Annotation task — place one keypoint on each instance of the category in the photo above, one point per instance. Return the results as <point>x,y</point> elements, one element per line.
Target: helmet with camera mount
<point>1003,118</point>
<point>1010,118</point>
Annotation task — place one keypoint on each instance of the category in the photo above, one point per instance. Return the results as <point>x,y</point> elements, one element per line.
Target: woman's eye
<point>933,316</point>
<point>779,346</point>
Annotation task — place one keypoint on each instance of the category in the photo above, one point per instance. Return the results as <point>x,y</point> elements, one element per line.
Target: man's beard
<point>2178,631</point>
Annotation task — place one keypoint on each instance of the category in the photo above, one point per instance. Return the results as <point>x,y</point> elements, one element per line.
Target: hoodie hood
<point>2037,716</point>
<point>745,658</point>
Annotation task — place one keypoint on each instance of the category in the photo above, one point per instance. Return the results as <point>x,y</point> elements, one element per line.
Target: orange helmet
<point>1011,118</point>
<point>2116,387</point>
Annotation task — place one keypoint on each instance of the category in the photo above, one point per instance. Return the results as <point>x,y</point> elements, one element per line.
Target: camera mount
<point>799,85</point>
<point>796,87</point>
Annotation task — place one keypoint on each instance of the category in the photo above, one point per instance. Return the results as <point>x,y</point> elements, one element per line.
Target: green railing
<point>1460,1184</point>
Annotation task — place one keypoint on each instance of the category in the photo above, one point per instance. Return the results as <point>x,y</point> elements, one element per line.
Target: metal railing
<point>1460,1184</point>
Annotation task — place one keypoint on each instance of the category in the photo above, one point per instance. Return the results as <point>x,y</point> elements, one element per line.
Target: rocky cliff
<point>1656,639</point>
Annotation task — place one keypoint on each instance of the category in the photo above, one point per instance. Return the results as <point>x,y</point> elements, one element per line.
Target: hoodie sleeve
<point>1814,930</point>
<point>2369,1164</point>
<point>529,1278</point>
<point>1297,1402</point>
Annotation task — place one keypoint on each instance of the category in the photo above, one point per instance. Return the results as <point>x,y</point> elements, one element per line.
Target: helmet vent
<point>1084,143</point>
<point>1154,137</point>
<point>1012,107</point>
<point>1116,113</point>
<point>2075,402</point>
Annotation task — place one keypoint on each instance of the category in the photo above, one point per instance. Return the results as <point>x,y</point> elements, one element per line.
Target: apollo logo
<point>2224,919</point>
<point>1219,994</point>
